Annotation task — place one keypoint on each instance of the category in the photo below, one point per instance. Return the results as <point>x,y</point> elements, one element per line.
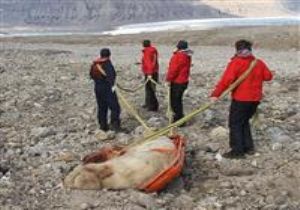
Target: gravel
<point>48,123</point>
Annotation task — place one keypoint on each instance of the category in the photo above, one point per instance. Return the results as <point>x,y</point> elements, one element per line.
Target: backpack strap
<point>237,82</point>
<point>100,69</point>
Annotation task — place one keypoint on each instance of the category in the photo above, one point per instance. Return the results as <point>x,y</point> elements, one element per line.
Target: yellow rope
<point>131,109</point>
<point>188,117</point>
<point>132,90</point>
<point>170,112</point>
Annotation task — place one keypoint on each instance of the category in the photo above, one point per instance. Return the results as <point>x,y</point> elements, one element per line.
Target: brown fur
<point>103,154</point>
<point>130,170</point>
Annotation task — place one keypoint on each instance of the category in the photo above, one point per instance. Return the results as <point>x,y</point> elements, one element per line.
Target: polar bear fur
<point>135,167</point>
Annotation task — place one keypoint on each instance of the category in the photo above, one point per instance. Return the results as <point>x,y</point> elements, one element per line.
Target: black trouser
<point>240,132</point>
<point>150,97</point>
<point>106,99</point>
<point>177,91</point>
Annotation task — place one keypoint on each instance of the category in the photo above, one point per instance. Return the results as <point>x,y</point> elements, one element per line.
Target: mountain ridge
<point>102,14</point>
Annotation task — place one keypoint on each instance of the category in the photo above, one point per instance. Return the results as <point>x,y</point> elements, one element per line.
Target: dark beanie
<point>105,52</point>
<point>182,45</point>
<point>243,44</point>
<point>146,43</point>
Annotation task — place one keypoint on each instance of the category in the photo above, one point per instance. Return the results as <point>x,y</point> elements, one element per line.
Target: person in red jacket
<point>245,98</point>
<point>178,77</point>
<point>150,70</point>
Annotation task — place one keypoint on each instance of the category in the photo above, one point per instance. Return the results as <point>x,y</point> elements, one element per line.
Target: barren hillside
<point>99,15</point>
<point>256,8</point>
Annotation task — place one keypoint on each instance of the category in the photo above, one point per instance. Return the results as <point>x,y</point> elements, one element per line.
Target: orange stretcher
<point>157,182</point>
<point>160,181</point>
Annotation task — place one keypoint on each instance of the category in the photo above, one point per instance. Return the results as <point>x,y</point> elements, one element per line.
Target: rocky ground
<point>48,122</point>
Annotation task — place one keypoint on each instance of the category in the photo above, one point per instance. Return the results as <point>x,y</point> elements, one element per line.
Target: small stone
<point>219,133</point>
<point>280,199</point>
<point>4,169</point>
<point>135,207</point>
<point>243,193</point>
<point>269,207</point>
<point>2,69</point>
<point>37,150</point>
<point>42,132</point>
<point>10,153</point>
<point>85,206</point>
<point>250,185</point>
<point>200,154</point>
<point>37,105</point>
<point>283,138</point>
<point>155,122</point>
<point>284,207</point>
<point>254,163</point>
<point>139,131</point>
<point>32,191</point>
<point>111,135</point>
<point>277,135</point>
<point>123,138</point>
<point>212,147</point>
<point>209,157</point>
<point>256,154</point>
<point>270,199</point>
<point>219,157</point>
<point>184,202</point>
<point>226,185</point>
<point>274,131</point>
<point>66,156</point>
<point>102,135</point>
<point>297,156</point>
<point>277,146</point>
<point>208,116</point>
<point>48,185</point>
<point>238,171</point>
<point>295,146</point>
<point>144,200</point>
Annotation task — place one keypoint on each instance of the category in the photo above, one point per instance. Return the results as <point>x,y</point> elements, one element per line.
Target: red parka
<point>150,60</point>
<point>251,88</point>
<point>179,67</point>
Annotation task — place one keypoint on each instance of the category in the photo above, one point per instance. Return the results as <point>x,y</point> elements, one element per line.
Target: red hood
<point>149,49</point>
<point>188,52</point>
<point>249,57</point>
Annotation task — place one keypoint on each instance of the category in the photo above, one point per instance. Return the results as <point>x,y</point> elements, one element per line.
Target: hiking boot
<point>119,130</point>
<point>233,155</point>
<point>104,128</point>
<point>153,109</point>
<point>144,106</point>
<point>250,151</point>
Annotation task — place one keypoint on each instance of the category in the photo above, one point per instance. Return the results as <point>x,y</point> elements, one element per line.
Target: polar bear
<point>136,166</point>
